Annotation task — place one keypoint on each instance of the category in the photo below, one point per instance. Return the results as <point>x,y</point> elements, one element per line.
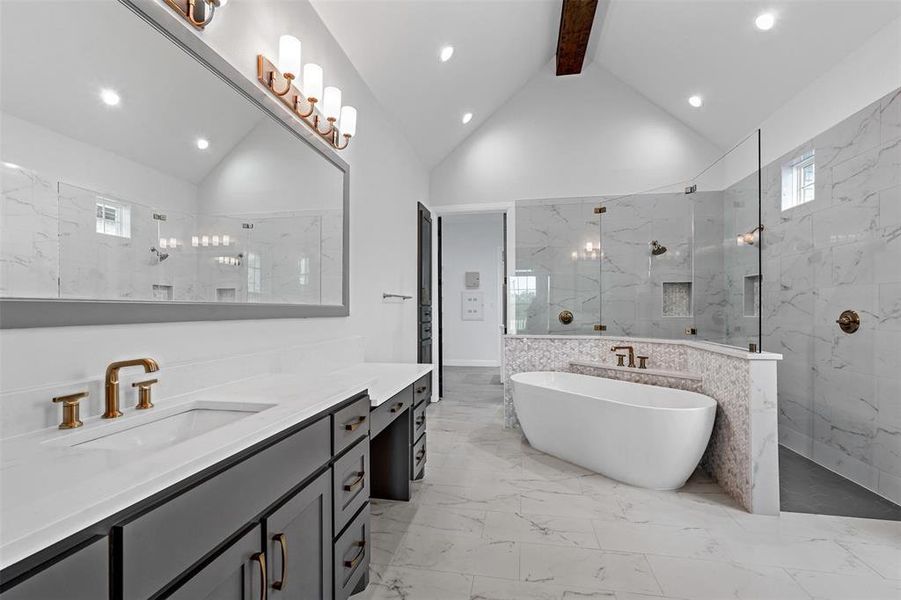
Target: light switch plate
<point>472,280</point>
<point>472,305</point>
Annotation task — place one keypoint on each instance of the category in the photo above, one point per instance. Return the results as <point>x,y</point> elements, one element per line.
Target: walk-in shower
<point>680,261</point>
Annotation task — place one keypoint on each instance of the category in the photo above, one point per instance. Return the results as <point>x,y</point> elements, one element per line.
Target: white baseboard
<point>462,362</point>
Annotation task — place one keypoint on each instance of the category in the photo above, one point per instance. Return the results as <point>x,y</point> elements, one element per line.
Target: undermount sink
<point>172,427</point>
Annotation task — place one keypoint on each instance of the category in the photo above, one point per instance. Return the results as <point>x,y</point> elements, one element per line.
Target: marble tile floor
<point>495,519</point>
<point>805,486</point>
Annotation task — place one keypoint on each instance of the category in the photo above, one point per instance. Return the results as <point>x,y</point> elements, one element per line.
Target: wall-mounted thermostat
<point>472,280</point>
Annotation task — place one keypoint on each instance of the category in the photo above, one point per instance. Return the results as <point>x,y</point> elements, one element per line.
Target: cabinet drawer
<point>160,544</point>
<point>390,409</point>
<point>350,424</point>
<point>83,575</point>
<point>236,574</point>
<point>418,457</point>
<point>299,544</point>
<point>422,389</point>
<point>417,424</point>
<point>350,488</point>
<point>352,551</point>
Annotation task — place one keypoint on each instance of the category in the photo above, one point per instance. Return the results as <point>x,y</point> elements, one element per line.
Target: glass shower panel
<point>557,282</point>
<point>647,277</point>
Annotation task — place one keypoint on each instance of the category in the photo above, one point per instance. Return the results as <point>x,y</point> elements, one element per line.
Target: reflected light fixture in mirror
<point>198,13</point>
<point>307,98</point>
<point>467,117</point>
<point>110,97</point>
<point>202,143</point>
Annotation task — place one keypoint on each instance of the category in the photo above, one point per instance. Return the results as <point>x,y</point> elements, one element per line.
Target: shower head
<point>657,249</point>
<point>161,256</point>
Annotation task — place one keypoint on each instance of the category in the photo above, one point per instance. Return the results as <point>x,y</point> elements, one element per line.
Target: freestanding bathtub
<point>643,435</point>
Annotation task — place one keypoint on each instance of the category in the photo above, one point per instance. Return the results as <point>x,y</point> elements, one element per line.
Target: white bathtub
<point>643,435</point>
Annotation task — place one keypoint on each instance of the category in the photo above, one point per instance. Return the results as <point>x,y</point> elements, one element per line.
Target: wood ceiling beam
<point>576,19</point>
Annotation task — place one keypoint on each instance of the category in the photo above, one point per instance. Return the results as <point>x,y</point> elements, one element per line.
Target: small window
<point>254,274</point>
<point>798,181</point>
<point>113,218</point>
<point>303,270</point>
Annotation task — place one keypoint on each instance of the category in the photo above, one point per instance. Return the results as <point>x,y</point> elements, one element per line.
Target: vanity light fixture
<point>317,106</point>
<point>696,101</point>
<point>765,21</point>
<point>203,143</point>
<point>198,13</point>
<point>446,53</point>
<point>195,241</point>
<point>110,97</point>
<point>467,117</point>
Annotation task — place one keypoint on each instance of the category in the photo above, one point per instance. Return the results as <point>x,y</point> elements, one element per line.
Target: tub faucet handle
<point>620,360</point>
<point>642,362</point>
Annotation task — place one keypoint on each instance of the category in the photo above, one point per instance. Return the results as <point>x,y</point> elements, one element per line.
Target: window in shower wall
<point>113,218</point>
<point>523,291</point>
<point>798,181</point>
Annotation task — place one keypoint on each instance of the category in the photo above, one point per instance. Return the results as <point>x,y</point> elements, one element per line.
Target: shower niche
<point>676,298</point>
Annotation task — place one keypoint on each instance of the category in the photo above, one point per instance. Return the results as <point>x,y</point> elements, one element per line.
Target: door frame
<point>508,209</point>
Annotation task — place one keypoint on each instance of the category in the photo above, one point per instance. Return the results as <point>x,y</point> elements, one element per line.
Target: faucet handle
<point>642,362</point>
<point>70,402</point>
<point>144,393</point>
<point>620,360</point>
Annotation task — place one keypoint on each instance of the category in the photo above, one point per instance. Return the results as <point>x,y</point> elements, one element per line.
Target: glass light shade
<point>331,103</point>
<point>289,55</point>
<point>205,240</point>
<point>348,123</point>
<point>195,241</point>
<point>163,243</point>
<point>312,81</point>
<point>215,240</point>
<point>173,243</point>
<point>226,240</point>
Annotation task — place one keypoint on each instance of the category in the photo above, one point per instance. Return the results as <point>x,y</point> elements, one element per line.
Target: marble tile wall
<point>742,455</point>
<point>840,394</point>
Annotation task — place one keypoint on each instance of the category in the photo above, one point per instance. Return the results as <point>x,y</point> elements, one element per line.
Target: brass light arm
<point>195,22</point>
<point>289,77</point>
<point>304,114</point>
<point>327,134</point>
<point>346,142</point>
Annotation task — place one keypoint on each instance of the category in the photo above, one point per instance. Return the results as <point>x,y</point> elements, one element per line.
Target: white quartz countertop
<point>51,490</point>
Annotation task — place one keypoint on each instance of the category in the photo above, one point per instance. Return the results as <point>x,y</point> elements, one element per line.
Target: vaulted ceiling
<point>667,50</point>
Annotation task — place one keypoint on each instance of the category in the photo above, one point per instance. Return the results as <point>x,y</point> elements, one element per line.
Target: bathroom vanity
<point>272,504</point>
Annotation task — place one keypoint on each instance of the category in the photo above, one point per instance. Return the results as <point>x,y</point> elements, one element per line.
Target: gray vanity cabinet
<point>82,575</point>
<point>299,544</point>
<point>236,574</point>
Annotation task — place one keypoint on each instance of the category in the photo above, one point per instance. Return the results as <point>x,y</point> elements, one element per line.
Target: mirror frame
<point>20,313</point>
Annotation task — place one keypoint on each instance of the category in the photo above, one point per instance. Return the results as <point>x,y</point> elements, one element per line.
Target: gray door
<point>299,544</point>
<point>236,574</point>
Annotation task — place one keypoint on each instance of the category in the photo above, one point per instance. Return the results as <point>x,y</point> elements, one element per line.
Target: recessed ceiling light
<point>696,101</point>
<point>109,97</point>
<point>467,118</point>
<point>446,53</point>
<point>202,144</point>
<point>765,21</point>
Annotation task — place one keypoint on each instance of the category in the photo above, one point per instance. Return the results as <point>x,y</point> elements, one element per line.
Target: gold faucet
<point>112,382</point>
<point>631,353</point>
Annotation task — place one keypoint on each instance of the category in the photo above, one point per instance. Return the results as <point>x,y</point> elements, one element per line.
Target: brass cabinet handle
<point>420,420</point>
<point>352,563</point>
<point>420,455</point>
<point>354,425</point>
<point>260,558</point>
<point>420,390</point>
<point>358,482</point>
<point>397,407</point>
<point>283,542</point>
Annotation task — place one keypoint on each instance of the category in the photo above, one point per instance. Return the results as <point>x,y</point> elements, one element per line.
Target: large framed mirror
<point>145,180</point>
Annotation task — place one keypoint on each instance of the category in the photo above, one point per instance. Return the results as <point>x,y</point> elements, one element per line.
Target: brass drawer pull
<point>397,407</point>
<point>356,483</point>
<point>283,542</point>
<point>260,558</point>
<point>354,425</point>
<point>352,563</point>
<point>420,455</point>
<point>420,420</point>
<point>420,390</point>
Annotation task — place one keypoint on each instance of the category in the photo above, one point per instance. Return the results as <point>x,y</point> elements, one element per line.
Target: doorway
<point>472,306</point>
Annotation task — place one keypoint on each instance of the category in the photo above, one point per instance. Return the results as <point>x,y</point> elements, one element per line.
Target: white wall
<point>607,139</point>
<point>472,243</point>
<point>862,77</point>
<point>386,182</point>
